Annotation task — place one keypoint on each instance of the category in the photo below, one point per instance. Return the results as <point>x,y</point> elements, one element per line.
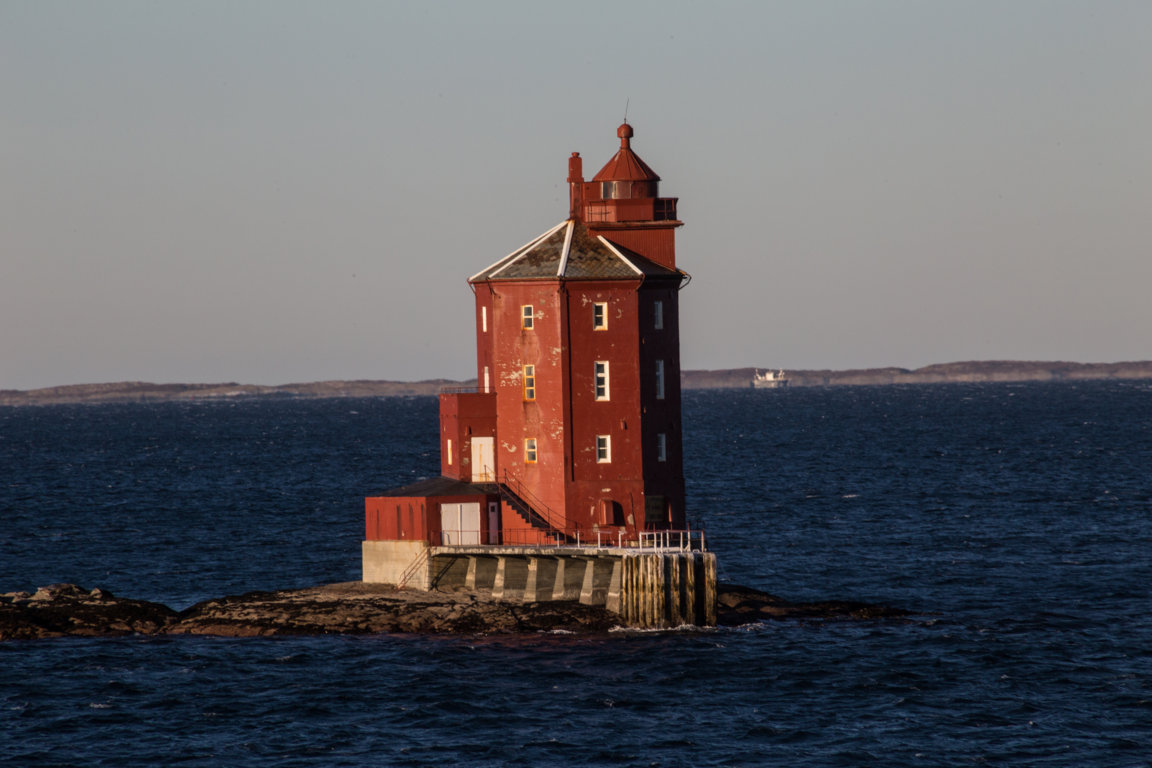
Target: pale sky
<point>274,192</point>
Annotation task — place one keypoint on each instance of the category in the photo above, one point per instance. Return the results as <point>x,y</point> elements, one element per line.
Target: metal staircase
<point>534,511</point>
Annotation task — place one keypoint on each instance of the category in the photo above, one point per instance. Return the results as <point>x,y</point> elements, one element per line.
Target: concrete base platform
<point>647,588</point>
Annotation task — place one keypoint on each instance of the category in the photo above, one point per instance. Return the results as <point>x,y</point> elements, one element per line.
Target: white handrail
<point>680,540</point>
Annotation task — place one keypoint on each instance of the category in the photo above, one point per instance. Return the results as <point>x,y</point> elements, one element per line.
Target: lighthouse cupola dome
<point>622,202</point>
<point>626,176</point>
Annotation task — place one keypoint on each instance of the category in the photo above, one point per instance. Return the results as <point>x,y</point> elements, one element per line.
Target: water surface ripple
<point>1015,518</point>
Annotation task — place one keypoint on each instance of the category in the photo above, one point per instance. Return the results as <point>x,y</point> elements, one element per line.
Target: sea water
<point>1015,520</point>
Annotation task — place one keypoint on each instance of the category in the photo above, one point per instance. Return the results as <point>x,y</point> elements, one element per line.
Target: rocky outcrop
<point>357,608</point>
<point>738,605</point>
<point>350,608</point>
<point>66,609</point>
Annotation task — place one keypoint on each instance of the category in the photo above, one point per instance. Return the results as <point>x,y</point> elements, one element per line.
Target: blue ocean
<point>1014,520</point>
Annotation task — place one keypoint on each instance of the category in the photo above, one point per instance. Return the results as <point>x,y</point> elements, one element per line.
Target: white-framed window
<point>487,380</point>
<point>529,450</point>
<point>449,451</point>
<point>658,314</point>
<point>661,447</point>
<point>484,319</point>
<point>659,379</point>
<point>529,382</point>
<point>600,316</point>
<point>601,378</point>
<point>527,317</point>
<point>603,449</point>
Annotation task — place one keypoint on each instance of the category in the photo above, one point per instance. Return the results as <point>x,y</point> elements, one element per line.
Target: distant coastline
<point>942,373</point>
<point>732,378</point>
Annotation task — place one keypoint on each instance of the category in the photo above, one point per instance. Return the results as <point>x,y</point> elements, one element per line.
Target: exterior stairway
<point>541,526</point>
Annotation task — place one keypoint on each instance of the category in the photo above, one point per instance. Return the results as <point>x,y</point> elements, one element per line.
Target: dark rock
<point>62,610</point>
<point>66,609</point>
<point>357,608</point>
<point>737,605</point>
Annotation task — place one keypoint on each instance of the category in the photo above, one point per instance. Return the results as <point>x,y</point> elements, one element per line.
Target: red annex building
<point>573,431</point>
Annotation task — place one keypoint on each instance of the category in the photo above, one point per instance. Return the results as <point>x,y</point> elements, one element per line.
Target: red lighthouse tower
<point>577,337</point>
<point>573,432</point>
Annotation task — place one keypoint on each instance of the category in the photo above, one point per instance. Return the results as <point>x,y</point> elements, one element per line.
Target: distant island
<point>732,378</point>
<point>943,373</point>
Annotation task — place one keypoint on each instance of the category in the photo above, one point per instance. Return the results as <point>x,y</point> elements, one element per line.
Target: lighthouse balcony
<point>631,210</point>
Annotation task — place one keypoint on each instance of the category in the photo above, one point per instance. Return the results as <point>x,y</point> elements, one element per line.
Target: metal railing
<point>684,541</point>
<point>547,528</point>
<point>535,506</point>
<point>466,390</point>
<point>579,538</point>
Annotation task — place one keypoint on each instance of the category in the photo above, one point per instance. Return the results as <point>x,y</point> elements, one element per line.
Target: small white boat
<point>768,379</point>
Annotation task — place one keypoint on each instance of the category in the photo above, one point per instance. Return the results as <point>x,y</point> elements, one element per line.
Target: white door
<point>470,523</point>
<point>460,524</point>
<point>483,459</point>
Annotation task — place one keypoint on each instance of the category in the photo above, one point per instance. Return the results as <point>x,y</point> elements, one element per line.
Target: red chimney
<point>575,186</point>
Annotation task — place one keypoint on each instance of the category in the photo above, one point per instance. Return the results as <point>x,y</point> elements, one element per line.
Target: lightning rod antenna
<point>628,99</point>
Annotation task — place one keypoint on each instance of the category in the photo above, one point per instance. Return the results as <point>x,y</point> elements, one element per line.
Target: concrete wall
<point>647,589</point>
<point>385,562</point>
